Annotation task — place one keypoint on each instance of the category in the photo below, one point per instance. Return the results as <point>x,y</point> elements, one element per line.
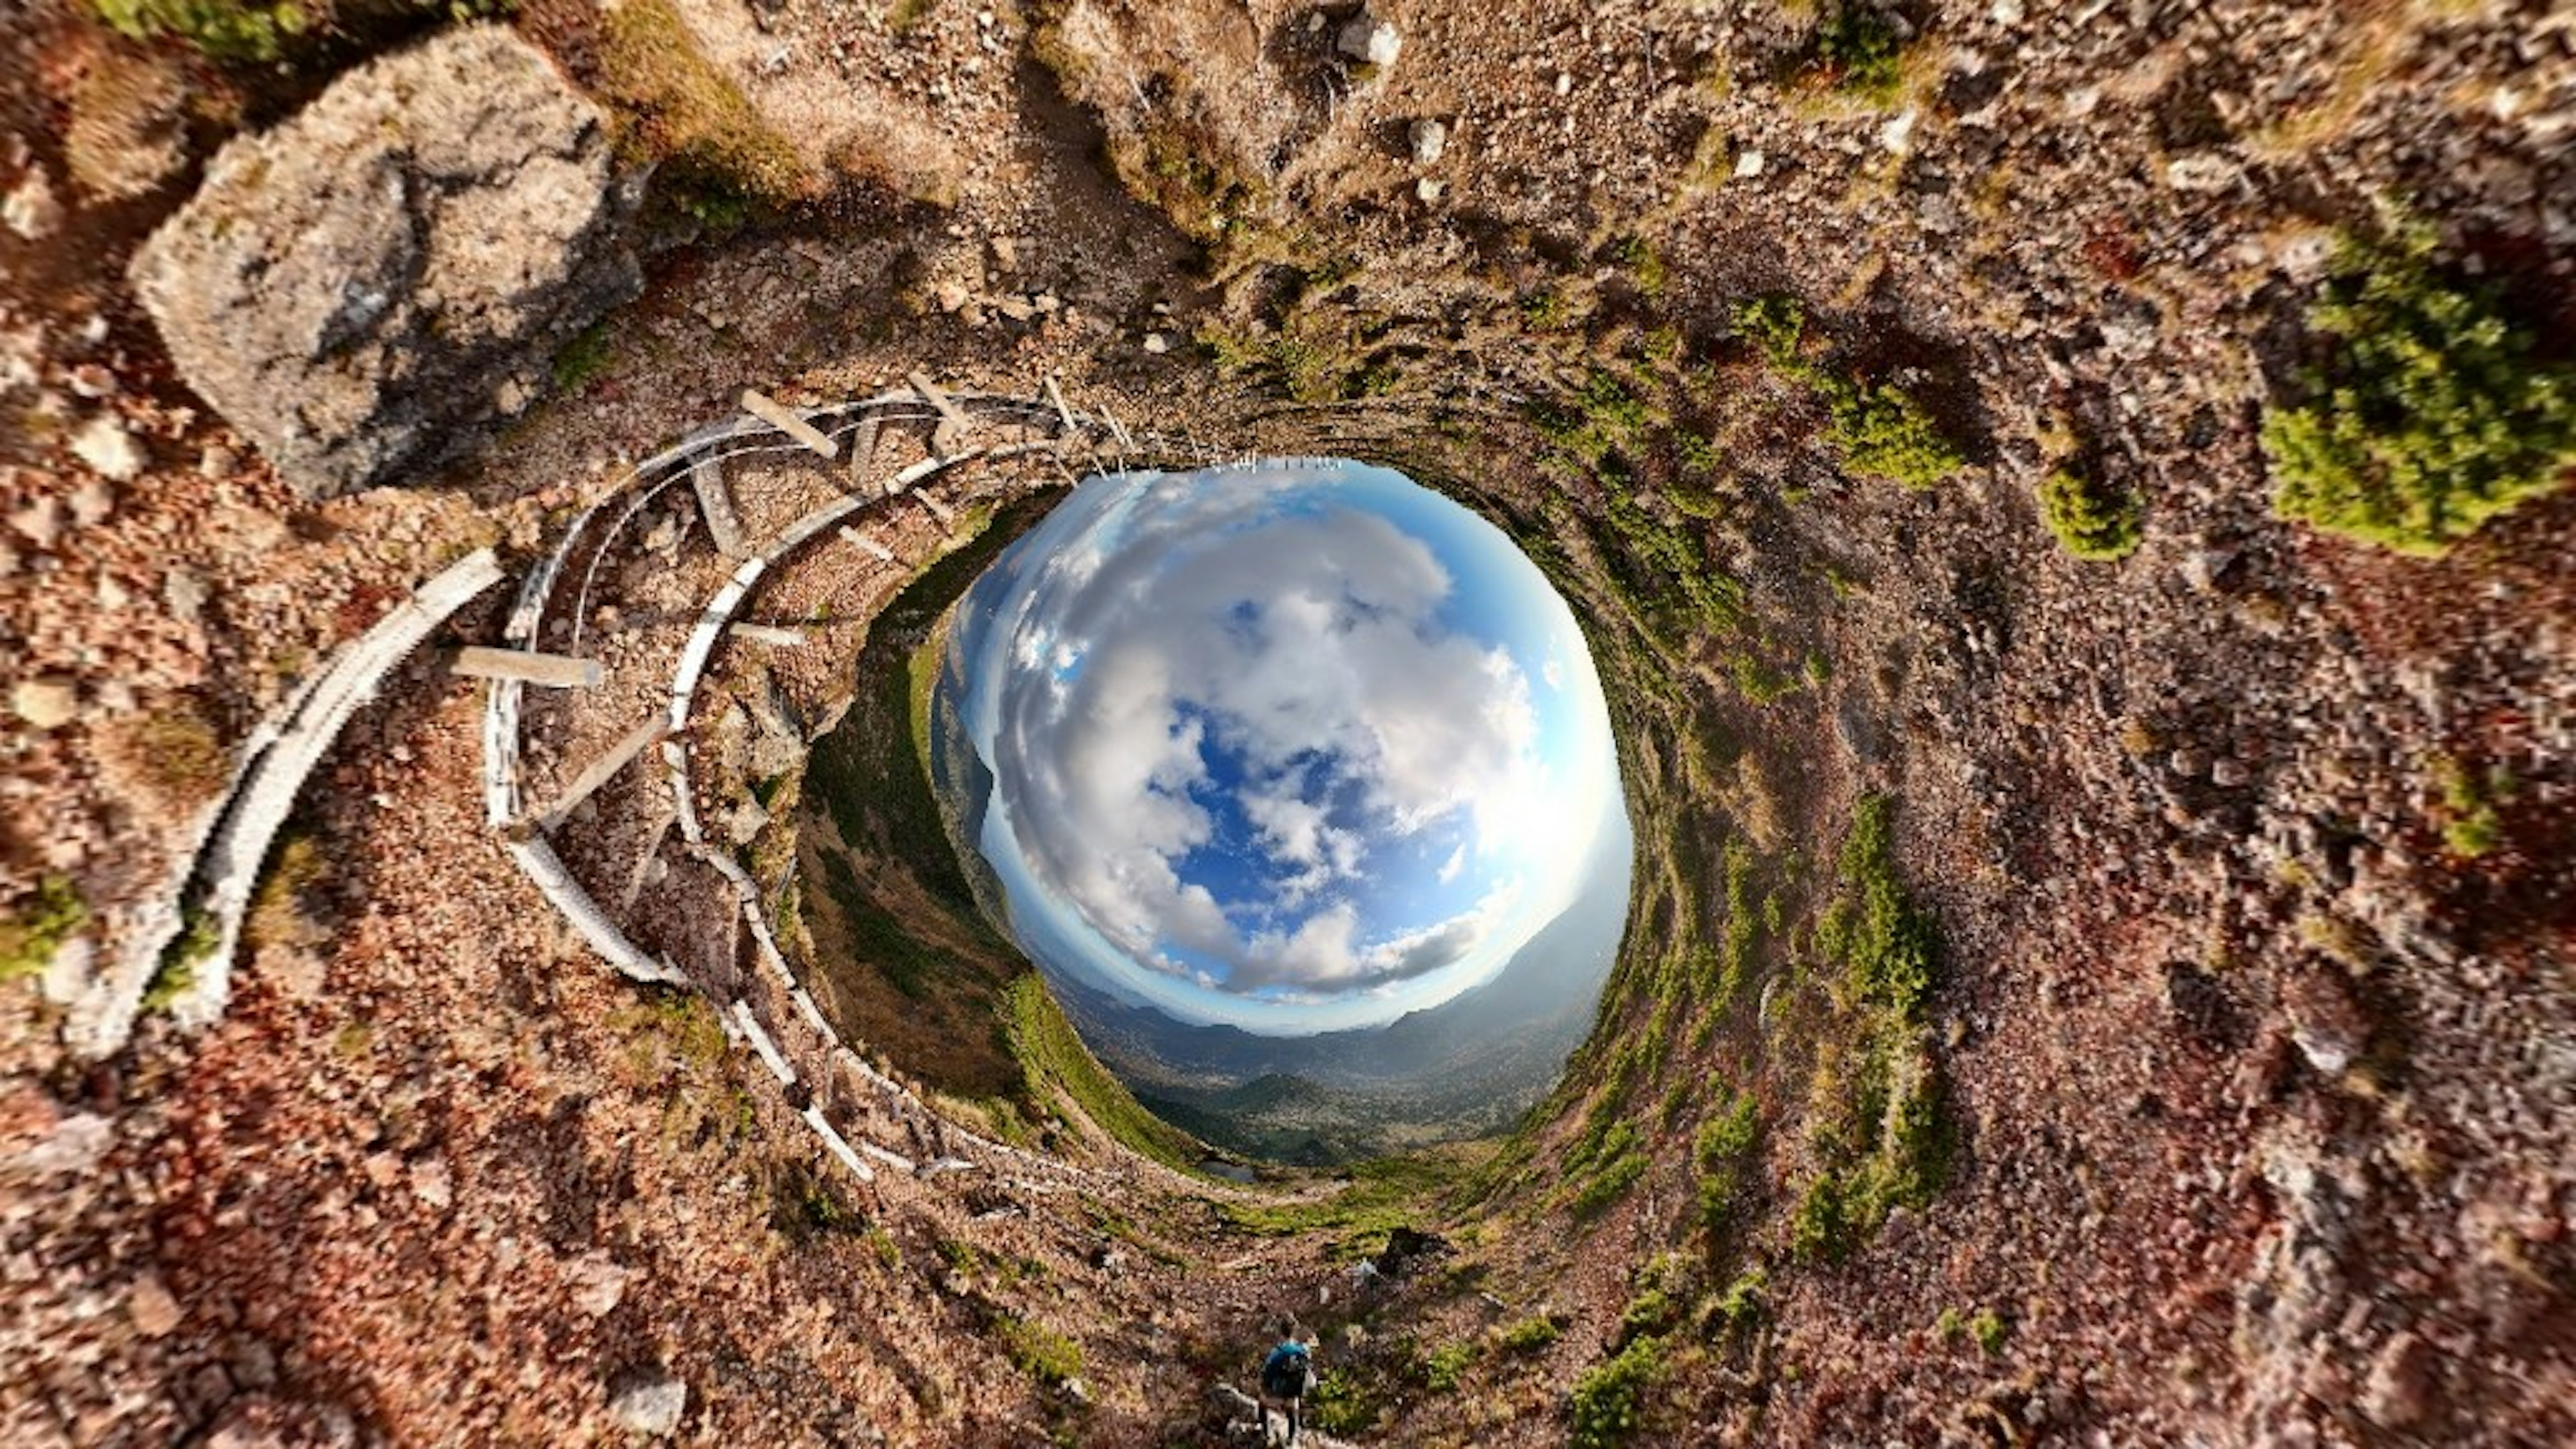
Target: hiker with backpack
<point>1286,1375</point>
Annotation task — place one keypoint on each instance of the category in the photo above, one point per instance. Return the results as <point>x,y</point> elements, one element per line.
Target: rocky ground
<point>2262,1089</point>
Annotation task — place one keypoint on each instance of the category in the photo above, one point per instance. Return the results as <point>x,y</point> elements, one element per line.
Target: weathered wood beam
<point>785,420</point>
<point>602,770</point>
<point>555,671</point>
<point>715,501</point>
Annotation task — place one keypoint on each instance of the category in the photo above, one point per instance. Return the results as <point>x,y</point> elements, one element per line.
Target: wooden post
<point>1064,415</point>
<point>937,399</point>
<point>786,421</point>
<point>715,501</point>
<point>555,671</point>
<point>863,449</point>
<point>639,739</point>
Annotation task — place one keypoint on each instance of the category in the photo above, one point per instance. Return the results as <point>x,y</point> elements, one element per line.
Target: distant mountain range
<point>1466,1068</point>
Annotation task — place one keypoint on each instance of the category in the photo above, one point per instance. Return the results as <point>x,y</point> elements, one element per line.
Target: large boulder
<point>359,288</point>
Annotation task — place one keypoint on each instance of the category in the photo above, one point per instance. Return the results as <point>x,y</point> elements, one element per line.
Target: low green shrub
<point>2429,413</point>
<point>2470,824</point>
<point>37,925</point>
<point>1342,1404</point>
<point>221,29</point>
<point>199,934</point>
<point>1885,433</point>
<point>1882,430</point>
<point>2093,521</point>
<point>1989,1330</point>
<point>1860,50</point>
<point>1446,1368</point>
<point>1608,1404</point>
<point>1041,1352</point>
<point>1532,1334</point>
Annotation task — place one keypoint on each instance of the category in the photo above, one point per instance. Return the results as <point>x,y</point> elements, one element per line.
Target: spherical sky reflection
<point>1294,746</point>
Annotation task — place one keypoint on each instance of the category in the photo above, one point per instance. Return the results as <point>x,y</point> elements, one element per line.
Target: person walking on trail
<point>1286,1376</point>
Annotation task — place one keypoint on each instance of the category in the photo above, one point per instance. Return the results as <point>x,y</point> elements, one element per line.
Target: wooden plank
<point>1064,415</point>
<point>933,396</point>
<point>556,671</point>
<point>867,545</point>
<point>941,511</point>
<point>769,634</point>
<point>639,739</point>
<point>863,449</point>
<point>785,420</point>
<point>1117,428</point>
<point>715,502</point>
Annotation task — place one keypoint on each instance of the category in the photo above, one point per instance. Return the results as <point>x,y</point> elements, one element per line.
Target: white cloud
<point>1308,646</point>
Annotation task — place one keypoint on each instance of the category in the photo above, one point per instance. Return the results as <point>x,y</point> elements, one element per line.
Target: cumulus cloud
<point>1210,659</point>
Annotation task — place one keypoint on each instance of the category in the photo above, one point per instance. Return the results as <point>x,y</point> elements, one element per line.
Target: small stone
<point>1156,343</point>
<point>40,522</point>
<point>105,445</point>
<point>155,1313</point>
<point>2325,1025</point>
<point>598,1285</point>
<point>1429,139</point>
<point>2201,568</point>
<point>1369,40</point>
<point>512,397</point>
<point>1898,133</point>
<point>31,209</point>
<point>1427,190</point>
<point>185,593</point>
<point>648,1401</point>
<point>433,1184</point>
<point>2229,773</point>
<point>2188,763</point>
<point>1565,83</point>
<point>1748,165</point>
<point>45,703</point>
<point>2203,172</point>
<point>217,461</point>
<point>92,502</point>
<point>2401,1383</point>
<point>2008,12</point>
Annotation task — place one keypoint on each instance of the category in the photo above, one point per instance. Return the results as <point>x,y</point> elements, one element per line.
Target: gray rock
<point>352,288</point>
<point>40,522</point>
<point>2204,172</point>
<point>108,449</point>
<point>31,209</point>
<point>1369,40</point>
<point>2402,1381</point>
<point>45,702</point>
<point>186,595</point>
<point>2325,1023</point>
<point>598,1284</point>
<point>156,1314</point>
<point>92,501</point>
<point>648,1401</point>
<point>1429,139</point>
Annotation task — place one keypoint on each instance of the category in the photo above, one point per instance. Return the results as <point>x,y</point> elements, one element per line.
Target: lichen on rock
<point>360,288</point>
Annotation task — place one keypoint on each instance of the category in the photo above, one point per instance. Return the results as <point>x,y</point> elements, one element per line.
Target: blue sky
<point>1295,746</point>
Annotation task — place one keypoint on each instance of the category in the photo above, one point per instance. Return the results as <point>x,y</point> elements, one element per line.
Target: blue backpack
<point>1285,1372</point>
